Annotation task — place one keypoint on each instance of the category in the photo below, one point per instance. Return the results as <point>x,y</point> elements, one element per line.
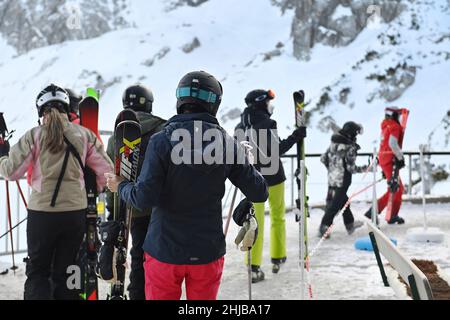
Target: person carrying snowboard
<point>185,239</point>
<point>140,99</point>
<point>339,159</point>
<point>256,119</point>
<point>58,202</point>
<point>391,159</point>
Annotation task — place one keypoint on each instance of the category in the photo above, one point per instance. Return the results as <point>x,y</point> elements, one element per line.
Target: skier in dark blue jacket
<point>183,179</point>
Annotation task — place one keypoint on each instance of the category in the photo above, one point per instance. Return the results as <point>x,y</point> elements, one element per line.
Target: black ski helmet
<point>393,113</point>
<point>75,100</point>
<point>351,129</point>
<point>259,99</point>
<point>52,96</point>
<point>199,88</point>
<point>138,98</point>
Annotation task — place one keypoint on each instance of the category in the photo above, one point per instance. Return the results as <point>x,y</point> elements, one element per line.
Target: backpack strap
<point>70,149</point>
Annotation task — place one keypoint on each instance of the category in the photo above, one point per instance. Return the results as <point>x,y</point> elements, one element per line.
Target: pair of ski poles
<point>248,149</point>
<point>11,227</point>
<point>249,257</point>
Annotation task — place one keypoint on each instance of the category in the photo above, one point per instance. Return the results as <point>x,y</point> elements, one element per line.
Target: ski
<point>394,183</point>
<point>302,213</point>
<point>127,142</point>
<point>89,119</point>
<point>89,108</point>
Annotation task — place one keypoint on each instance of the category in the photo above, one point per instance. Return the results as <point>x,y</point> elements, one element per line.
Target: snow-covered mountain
<point>357,60</point>
<point>352,58</point>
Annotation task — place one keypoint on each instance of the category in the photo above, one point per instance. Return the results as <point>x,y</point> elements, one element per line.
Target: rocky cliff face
<point>178,3</point>
<point>30,24</point>
<point>335,22</point>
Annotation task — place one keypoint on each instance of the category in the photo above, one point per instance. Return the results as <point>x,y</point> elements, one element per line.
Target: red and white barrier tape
<point>327,233</point>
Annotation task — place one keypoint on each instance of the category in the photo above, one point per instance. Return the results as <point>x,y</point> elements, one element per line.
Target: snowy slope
<point>338,271</point>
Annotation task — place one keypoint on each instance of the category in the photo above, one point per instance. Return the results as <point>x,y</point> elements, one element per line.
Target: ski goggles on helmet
<point>268,95</point>
<point>360,130</point>
<point>49,97</point>
<point>390,111</point>
<point>193,92</point>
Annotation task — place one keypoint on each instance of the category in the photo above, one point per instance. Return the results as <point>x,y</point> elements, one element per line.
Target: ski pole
<point>21,194</point>
<point>226,198</point>
<point>8,206</point>
<point>373,162</point>
<point>302,253</point>
<point>18,224</point>
<point>21,221</point>
<point>249,271</point>
<point>230,211</point>
<point>248,148</point>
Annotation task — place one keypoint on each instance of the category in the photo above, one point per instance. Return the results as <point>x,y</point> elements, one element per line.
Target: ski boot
<point>257,274</point>
<point>396,219</point>
<point>351,227</point>
<point>368,215</point>
<point>276,264</point>
<point>322,229</point>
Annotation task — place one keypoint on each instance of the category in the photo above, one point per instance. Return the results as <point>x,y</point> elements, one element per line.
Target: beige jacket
<point>30,156</point>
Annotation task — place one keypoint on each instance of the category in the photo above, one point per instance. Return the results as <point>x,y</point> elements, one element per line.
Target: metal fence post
<point>410,174</point>
<point>292,182</point>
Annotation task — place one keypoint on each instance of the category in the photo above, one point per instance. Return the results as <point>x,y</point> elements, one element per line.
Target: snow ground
<point>338,271</point>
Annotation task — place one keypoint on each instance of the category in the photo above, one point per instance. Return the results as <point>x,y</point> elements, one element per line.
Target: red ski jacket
<point>389,127</point>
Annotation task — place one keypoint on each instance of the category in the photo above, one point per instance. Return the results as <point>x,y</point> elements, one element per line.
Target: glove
<point>109,232</point>
<point>299,133</point>
<point>393,184</point>
<point>399,163</point>
<point>364,168</point>
<point>244,216</point>
<point>242,210</point>
<point>4,148</point>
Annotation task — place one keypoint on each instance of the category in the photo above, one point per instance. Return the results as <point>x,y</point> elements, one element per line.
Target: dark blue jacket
<point>186,224</point>
<point>257,119</point>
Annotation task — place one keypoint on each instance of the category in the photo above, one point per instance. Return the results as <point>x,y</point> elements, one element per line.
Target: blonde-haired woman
<point>57,151</point>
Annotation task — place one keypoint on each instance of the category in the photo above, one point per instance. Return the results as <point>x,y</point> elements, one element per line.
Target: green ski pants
<point>277,226</point>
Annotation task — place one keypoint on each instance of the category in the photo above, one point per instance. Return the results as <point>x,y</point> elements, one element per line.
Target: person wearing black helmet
<point>256,119</point>
<point>185,240</point>
<point>57,152</point>
<point>140,99</point>
<point>74,109</point>
<point>339,159</point>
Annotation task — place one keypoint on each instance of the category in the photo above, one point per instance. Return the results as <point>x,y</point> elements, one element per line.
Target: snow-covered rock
<point>32,24</point>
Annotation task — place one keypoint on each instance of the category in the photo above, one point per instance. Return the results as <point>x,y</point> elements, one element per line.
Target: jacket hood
<point>149,122</point>
<point>338,138</point>
<point>252,116</point>
<point>192,152</point>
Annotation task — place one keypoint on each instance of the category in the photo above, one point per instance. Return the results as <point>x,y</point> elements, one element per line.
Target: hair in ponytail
<point>53,124</point>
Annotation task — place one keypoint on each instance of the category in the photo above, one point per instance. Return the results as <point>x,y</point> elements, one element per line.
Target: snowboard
<point>300,121</point>
<point>127,143</point>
